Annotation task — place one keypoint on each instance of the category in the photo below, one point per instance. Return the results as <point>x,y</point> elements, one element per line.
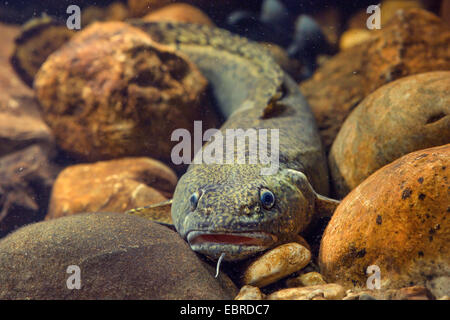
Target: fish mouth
<point>234,238</point>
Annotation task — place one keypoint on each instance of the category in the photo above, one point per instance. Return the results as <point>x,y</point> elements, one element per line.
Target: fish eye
<point>267,198</point>
<point>194,199</point>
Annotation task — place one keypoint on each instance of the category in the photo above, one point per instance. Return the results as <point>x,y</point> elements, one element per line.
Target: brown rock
<point>38,38</point>
<point>414,41</point>
<point>353,37</point>
<point>92,14</point>
<point>117,11</point>
<point>249,293</point>
<point>21,125</point>
<point>119,256</point>
<point>112,92</point>
<point>111,186</point>
<point>114,12</point>
<point>306,280</point>
<point>330,291</point>
<point>397,220</point>
<point>276,264</point>
<point>445,12</point>
<point>10,84</point>
<point>139,8</point>
<point>409,114</point>
<point>330,20</point>
<point>20,121</point>
<point>439,286</point>
<point>179,12</point>
<point>389,8</point>
<point>26,179</point>
<point>413,293</point>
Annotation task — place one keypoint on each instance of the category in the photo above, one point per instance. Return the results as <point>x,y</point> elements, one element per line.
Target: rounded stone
<point>397,220</point>
<point>414,41</point>
<point>118,256</point>
<point>111,186</point>
<point>113,92</point>
<point>306,280</point>
<point>353,37</point>
<point>276,264</point>
<point>249,293</point>
<point>409,114</point>
<point>179,12</point>
<point>329,291</point>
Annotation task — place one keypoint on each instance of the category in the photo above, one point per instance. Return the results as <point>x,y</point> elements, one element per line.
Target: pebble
<point>395,220</point>
<point>329,291</point>
<point>249,293</point>
<point>386,124</point>
<point>353,37</point>
<point>113,92</point>
<point>276,264</point>
<point>121,185</point>
<point>414,293</point>
<point>306,280</point>
<point>366,296</point>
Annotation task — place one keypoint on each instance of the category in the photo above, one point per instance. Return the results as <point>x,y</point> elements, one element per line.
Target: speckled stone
<point>249,293</point>
<point>353,37</point>
<point>410,114</point>
<point>276,264</point>
<point>306,280</point>
<point>329,291</point>
<point>113,92</point>
<point>412,42</point>
<point>397,219</point>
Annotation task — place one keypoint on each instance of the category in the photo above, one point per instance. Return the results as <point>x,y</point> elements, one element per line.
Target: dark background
<point>19,11</point>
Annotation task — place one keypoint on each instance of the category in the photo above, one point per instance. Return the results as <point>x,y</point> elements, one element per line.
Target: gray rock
<point>119,256</point>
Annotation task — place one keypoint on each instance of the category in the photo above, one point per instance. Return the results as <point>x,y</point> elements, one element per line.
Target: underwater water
<point>247,150</point>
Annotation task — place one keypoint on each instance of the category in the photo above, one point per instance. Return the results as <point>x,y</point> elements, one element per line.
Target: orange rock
<point>38,38</point>
<point>276,264</point>
<point>414,41</point>
<point>117,11</point>
<point>111,186</point>
<point>397,219</point>
<point>179,12</point>
<point>353,37</point>
<point>390,7</point>
<point>401,117</point>
<point>329,291</point>
<point>139,8</point>
<point>113,92</point>
<point>249,293</point>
